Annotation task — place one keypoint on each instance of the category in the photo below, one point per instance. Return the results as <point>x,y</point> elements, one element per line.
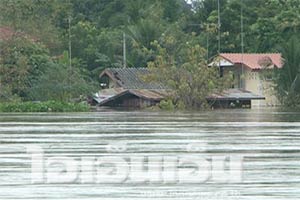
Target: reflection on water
<point>268,140</point>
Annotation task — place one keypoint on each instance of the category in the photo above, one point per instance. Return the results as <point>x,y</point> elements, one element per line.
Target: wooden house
<point>126,87</point>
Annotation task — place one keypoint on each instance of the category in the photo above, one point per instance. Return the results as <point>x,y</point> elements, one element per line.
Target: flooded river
<point>268,141</point>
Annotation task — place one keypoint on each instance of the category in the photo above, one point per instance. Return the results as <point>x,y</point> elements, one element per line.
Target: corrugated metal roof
<point>254,60</point>
<point>106,95</point>
<point>132,78</point>
<point>149,94</point>
<point>235,94</point>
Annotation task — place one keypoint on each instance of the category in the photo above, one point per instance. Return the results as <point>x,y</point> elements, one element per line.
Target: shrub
<point>167,105</point>
<point>291,101</point>
<point>59,83</point>
<point>48,106</point>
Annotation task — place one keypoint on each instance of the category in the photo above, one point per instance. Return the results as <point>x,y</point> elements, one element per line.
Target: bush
<point>291,101</point>
<point>167,105</point>
<point>60,83</point>
<point>48,106</point>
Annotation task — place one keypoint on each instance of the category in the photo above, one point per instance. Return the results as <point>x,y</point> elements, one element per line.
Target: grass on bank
<point>47,106</point>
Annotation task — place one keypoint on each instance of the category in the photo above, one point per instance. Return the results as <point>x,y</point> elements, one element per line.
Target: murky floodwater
<point>268,141</point>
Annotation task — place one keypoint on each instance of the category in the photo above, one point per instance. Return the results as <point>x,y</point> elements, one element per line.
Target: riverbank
<point>47,106</point>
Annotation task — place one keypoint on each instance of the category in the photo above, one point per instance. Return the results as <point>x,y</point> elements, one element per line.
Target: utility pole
<point>70,44</point>
<point>207,47</point>
<point>219,39</point>
<point>219,28</point>
<point>70,51</point>
<point>124,50</point>
<point>242,46</point>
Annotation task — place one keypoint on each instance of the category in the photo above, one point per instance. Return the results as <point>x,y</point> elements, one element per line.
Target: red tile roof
<point>254,60</point>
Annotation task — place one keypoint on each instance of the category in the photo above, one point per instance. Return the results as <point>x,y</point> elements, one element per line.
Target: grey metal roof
<point>132,78</point>
<point>235,94</point>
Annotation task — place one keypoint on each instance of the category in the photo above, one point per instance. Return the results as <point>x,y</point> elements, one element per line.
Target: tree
<point>97,28</point>
<point>287,79</point>
<point>96,48</point>
<point>186,73</point>
<point>35,18</point>
<point>61,83</point>
<point>22,61</point>
<point>263,31</point>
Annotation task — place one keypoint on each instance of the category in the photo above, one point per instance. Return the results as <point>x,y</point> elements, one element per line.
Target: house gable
<point>220,61</point>
<point>125,87</point>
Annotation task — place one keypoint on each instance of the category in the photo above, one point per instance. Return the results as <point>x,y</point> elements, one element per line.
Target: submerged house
<point>233,98</point>
<point>249,73</point>
<point>125,87</point>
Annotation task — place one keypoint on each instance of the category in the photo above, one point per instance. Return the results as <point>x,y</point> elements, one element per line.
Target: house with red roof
<point>248,71</point>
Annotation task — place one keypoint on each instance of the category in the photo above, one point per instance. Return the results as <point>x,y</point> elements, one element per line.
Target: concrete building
<point>250,73</point>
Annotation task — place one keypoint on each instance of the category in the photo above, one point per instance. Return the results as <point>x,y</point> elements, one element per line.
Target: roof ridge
<point>253,53</point>
<point>132,78</point>
<point>127,68</point>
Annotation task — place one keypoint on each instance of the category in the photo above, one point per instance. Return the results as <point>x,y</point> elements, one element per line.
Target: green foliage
<point>145,32</point>
<point>266,24</point>
<point>287,75</point>
<point>291,101</point>
<point>28,73</point>
<point>27,69</point>
<point>266,37</point>
<point>47,106</point>
<point>167,105</point>
<point>60,82</point>
<point>287,79</point>
<point>184,70</point>
<point>35,18</point>
<point>97,48</point>
<point>22,61</point>
<point>97,26</point>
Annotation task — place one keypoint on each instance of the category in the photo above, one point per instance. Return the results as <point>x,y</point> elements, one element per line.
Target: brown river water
<point>268,141</point>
